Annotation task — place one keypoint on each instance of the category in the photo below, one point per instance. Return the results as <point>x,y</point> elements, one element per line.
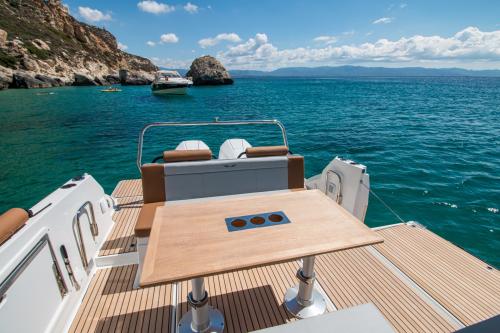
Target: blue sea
<point>431,145</point>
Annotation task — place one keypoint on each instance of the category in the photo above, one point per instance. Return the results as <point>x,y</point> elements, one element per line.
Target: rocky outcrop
<point>52,81</point>
<point>5,80</point>
<point>3,37</point>
<point>112,79</point>
<point>43,45</point>
<point>128,79</point>
<point>83,80</point>
<point>207,70</point>
<point>24,80</point>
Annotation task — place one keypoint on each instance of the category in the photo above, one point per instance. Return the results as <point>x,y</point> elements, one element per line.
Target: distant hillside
<point>42,45</point>
<point>360,71</point>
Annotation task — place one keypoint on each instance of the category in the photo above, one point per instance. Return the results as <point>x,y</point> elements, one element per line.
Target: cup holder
<point>260,220</point>
<point>275,218</point>
<point>257,220</point>
<point>238,223</point>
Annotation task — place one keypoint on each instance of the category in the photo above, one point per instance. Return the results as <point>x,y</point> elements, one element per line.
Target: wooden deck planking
<point>252,299</point>
<point>249,299</point>
<point>128,188</point>
<point>356,277</point>
<point>122,238</point>
<point>463,284</point>
<point>111,305</point>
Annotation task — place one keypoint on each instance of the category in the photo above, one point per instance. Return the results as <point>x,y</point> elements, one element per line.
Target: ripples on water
<point>431,144</point>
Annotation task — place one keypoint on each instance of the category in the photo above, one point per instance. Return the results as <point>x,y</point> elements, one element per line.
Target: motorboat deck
<point>419,281</point>
<point>74,260</point>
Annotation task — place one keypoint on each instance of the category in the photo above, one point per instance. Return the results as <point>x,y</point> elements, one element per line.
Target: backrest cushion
<point>266,151</point>
<point>153,182</point>
<point>171,156</point>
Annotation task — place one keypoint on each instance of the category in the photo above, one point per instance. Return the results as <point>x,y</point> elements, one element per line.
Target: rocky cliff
<point>207,70</point>
<point>42,45</point>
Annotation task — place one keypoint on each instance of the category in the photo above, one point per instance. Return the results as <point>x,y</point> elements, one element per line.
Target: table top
<point>191,240</point>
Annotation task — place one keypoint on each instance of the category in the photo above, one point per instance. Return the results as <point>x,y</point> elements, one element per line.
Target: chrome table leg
<point>201,317</point>
<point>304,301</point>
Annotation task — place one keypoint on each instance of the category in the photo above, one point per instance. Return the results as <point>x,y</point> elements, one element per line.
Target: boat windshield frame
<point>215,122</point>
<point>169,75</point>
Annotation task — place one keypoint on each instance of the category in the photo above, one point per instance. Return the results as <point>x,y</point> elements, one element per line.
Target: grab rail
<point>215,122</point>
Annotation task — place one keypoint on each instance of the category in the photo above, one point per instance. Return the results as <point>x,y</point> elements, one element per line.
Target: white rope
<point>383,202</point>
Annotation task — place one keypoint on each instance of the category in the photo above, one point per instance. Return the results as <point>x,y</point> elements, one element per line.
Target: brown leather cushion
<point>153,182</point>
<point>170,156</point>
<point>266,151</point>
<point>145,219</point>
<point>295,171</point>
<point>11,221</point>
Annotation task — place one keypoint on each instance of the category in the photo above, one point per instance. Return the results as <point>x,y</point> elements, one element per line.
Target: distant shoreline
<point>362,76</point>
<point>359,71</point>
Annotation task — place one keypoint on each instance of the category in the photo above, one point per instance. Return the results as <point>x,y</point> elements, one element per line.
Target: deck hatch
<point>260,220</point>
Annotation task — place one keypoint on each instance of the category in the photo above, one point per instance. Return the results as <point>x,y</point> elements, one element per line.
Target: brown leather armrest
<point>171,156</point>
<point>145,220</point>
<point>11,221</point>
<point>295,171</point>
<point>266,151</point>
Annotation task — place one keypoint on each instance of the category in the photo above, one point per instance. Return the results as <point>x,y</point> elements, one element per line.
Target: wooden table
<point>191,240</point>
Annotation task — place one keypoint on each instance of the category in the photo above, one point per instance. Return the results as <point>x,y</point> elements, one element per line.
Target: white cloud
<point>470,45</point>
<point>93,15</point>
<point>326,39</point>
<point>150,43</point>
<point>122,47</point>
<point>383,20</point>
<point>229,37</point>
<point>191,8</point>
<point>169,38</point>
<point>403,5</point>
<point>171,63</point>
<point>151,6</point>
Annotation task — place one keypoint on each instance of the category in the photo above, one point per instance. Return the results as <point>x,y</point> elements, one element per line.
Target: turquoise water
<point>431,144</point>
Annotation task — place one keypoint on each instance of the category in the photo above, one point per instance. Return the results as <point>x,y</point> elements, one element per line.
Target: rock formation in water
<point>207,70</point>
<point>42,45</point>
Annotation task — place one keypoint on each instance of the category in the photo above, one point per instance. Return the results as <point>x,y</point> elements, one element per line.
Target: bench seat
<point>145,219</point>
<point>358,319</point>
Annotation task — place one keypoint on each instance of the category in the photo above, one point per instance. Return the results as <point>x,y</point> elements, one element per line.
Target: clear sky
<point>277,33</point>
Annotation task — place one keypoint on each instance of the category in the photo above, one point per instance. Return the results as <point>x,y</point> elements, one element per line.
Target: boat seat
<point>191,145</point>
<point>358,319</point>
<point>183,180</point>
<point>201,179</point>
<point>264,151</point>
<point>145,219</point>
<point>11,221</point>
<point>171,156</point>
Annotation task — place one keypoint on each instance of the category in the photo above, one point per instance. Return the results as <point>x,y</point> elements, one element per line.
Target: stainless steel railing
<point>215,122</point>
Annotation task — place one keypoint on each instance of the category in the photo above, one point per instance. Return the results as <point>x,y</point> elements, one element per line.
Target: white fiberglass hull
<point>171,91</point>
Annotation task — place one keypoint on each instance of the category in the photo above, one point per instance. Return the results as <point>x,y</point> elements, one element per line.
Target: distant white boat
<point>170,82</point>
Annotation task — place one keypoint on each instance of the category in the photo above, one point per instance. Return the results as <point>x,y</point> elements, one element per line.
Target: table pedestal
<point>201,317</point>
<point>304,301</point>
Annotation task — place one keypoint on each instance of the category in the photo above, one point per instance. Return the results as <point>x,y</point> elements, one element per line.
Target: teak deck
<point>191,239</point>
<point>419,282</point>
